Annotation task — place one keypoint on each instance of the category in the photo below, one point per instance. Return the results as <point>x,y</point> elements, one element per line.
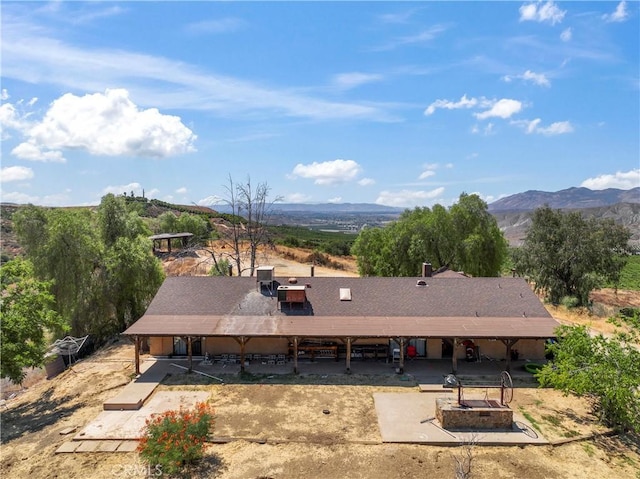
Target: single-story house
<point>275,319</point>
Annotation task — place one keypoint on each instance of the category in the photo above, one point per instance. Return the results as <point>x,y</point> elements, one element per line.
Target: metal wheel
<point>507,385</point>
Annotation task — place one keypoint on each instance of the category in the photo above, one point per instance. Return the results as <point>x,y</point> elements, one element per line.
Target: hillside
<point>570,198</point>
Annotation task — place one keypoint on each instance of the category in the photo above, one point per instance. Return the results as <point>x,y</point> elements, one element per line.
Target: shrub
<point>174,440</point>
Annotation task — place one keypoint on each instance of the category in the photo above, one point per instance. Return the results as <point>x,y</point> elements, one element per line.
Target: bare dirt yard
<point>276,428</point>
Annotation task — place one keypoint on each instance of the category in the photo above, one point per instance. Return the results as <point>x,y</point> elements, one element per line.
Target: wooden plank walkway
<point>134,394</point>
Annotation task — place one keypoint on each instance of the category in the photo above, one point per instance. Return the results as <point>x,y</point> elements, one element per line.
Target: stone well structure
<point>474,414</point>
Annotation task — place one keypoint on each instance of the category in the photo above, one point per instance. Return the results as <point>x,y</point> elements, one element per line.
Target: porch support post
<point>401,364</point>
<point>348,359</point>
<point>190,353</point>
<point>137,354</point>
<point>295,355</point>
<point>509,344</point>
<point>454,357</point>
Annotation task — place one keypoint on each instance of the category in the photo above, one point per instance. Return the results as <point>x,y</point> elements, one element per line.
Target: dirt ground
<point>281,431</point>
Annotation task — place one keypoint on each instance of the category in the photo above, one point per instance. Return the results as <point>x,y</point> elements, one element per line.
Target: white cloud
<point>537,78</point>
<point>408,197</point>
<point>366,182</point>
<point>328,172</point>
<point>29,56</point>
<point>533,126</point>
<point>104,124</point>
<point>211,201</point>
<point>346,81</point>
<point>120,189</point>
<point>503,108</point>
<point>335,200</point>
<point>425,36</point>
<point>15,173</point>
<point>566,35</point>
<point>57,199</point>
<point>464,102</point>
<point>624,180</point>
<point>4,95</point>
<point>619,15</point>
<point>297,198</point>
<point>33,152</point>
<point>542,12</point>
<point>182,190</point>
<point>426,174</point>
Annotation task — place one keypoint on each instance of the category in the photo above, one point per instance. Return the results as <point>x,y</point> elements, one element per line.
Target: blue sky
<point>396,103</point>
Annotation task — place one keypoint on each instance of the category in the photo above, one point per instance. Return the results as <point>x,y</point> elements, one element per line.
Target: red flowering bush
<point>174,440</point>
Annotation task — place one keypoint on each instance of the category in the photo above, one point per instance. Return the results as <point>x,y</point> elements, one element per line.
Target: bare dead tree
<point>245,237</point>
<point>463,461</point>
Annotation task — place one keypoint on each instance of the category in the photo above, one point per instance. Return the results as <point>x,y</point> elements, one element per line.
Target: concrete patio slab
<point>410,418</point>
<point>128,424</point>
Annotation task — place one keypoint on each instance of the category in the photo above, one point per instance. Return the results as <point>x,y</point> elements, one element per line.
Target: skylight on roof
<point>345,294</point>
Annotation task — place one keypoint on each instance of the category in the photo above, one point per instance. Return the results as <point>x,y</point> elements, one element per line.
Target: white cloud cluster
<point>620,14</point>
<point>328,172</point>
<point>15,173</point>
<point>30,56</point>
<point>347,81</point>
<point>429,169</point>
<point>464,102</point>
<point>533,126</point>
<point>566,35</point>
<point>503,108</point>
<point>624,180</point>
<point>542,12</point>
<point>366,182</point>
<point>103,124</point>
<point>536,78</point>
<point>408,198</point>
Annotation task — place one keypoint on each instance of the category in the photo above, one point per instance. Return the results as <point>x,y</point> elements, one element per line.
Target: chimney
<point>312,270</point>
<point>427,270</point>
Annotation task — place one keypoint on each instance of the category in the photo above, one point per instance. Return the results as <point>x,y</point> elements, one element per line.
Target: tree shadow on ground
<point>619,445</point>
<point>35,416</point>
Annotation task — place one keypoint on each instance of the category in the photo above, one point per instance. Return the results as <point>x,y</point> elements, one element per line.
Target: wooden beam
<point>295,355</point>
<point>454,357</point>
<point>137,354</point>
<point>401,365</point>
<point>348,359</point>
<point>509,344</point>
<point>190,353</point>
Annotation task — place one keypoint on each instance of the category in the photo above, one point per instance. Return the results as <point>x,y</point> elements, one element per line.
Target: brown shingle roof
<point>380,307</point>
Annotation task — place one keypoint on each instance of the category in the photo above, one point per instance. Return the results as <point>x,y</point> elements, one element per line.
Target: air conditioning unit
<point>292,294</point>
<point>265,275</point>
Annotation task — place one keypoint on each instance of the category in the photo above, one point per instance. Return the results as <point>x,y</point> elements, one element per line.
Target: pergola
<point>508,330</point>
<point>159,238</point>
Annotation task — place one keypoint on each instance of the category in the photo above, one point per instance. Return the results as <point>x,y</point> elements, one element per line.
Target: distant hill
<point>571,198</point>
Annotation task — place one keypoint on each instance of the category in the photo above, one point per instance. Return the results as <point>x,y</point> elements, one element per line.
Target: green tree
<point>102,265</point>
<point>604,370</point>
<point>132,277</point>
<point>186,223</point>
<point>465,237</point>
<point>26,315</point>
<point>67,250</point>
<point>567,255</point>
